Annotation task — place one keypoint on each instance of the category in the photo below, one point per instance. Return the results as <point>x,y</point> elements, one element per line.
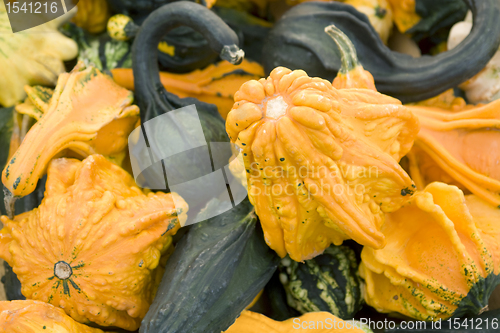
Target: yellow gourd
<point>321,162</point>
<point>318,322</point>
<point>404,14</point>
<point>88,114</point>
<point>442,256</point>
<point>460,147</point>
<point>92,15</point>
<point>94,244</point>
<point>31,57</point>
<point>35,317</point>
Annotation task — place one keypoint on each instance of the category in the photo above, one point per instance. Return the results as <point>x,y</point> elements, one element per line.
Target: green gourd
<point>10,281</point>
<point>329,282</point>
<point>100,51</point>
<point>298,41</point>
<point>216,270</point>
<point>153,100</point>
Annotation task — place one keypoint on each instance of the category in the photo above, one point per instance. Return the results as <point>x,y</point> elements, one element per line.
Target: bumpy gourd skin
<point>441,259</point>
<point>95,220</point>
<point>459,147</point>
<point>34,317</point>
<point>321,163</point>
<point>84,102</point>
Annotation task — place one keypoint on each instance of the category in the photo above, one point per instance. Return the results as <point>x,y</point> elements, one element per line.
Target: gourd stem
<point>348,55</point>
<point>9,201</point>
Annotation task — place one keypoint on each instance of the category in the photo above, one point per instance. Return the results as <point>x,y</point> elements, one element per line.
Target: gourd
<point>379,13</point>
<point>100,51</point>
<point>92,15</point>
<point>484,87</point>
<point>252,322</point>
<point>442,257</point>
<point>330,282</point>
<point>278,306</point>
<point>307,145</point>
<point>8,126</point>
<point>34,57</point>
<point>11,284</point>
<point>33,317</point>
<point>297,42</point>
<point>153,100</point>
<point>80,117</point>
<point>218,267</point>
<point>458,147</point>
<point>424,18</point>
<point>215,84</point>
<point>94,243</point>
<point>445,101</point>
<point>351,74</point>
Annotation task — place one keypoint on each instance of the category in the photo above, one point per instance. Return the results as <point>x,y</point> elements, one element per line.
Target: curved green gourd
<point>152,98</point>
<point>216,270</point>
<point>298,41</point>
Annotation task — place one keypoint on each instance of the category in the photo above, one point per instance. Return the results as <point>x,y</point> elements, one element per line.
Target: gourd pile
<point>365,132</point>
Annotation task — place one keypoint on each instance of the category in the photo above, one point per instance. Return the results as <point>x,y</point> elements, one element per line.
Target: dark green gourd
<point>298,41</point>
<point>10,281</point>
<point>216,270</point>
<point>154,100</point>
<point>329,282</point>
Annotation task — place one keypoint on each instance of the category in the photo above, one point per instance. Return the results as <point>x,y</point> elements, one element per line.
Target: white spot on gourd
<point>276,108</point>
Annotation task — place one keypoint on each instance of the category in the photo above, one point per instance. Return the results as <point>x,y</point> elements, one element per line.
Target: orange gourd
<point>351,73</point>
<point>442,256</point>
<point>88,113</point>
<point>321,162</point>
<point>93,246</point>
<point>92,15</point>
<point>34,317</point>
<point>460,147</point>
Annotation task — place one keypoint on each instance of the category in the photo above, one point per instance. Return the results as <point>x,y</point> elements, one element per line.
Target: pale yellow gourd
<point>442,256</point>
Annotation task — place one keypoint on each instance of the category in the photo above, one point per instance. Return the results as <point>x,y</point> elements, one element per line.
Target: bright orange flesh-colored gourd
<point>35,317</point>
<point>321,163</point>
<point>441,248</point>
<point>318,322</point>
<point>351,73</point>
<point>461,147</point>
<point>84,102</point>
<point>215,84</point>
<point>94,244</point>
<point>307,147</point>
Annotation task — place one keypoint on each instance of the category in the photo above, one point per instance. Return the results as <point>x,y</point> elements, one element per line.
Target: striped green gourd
<point>329,282</point>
